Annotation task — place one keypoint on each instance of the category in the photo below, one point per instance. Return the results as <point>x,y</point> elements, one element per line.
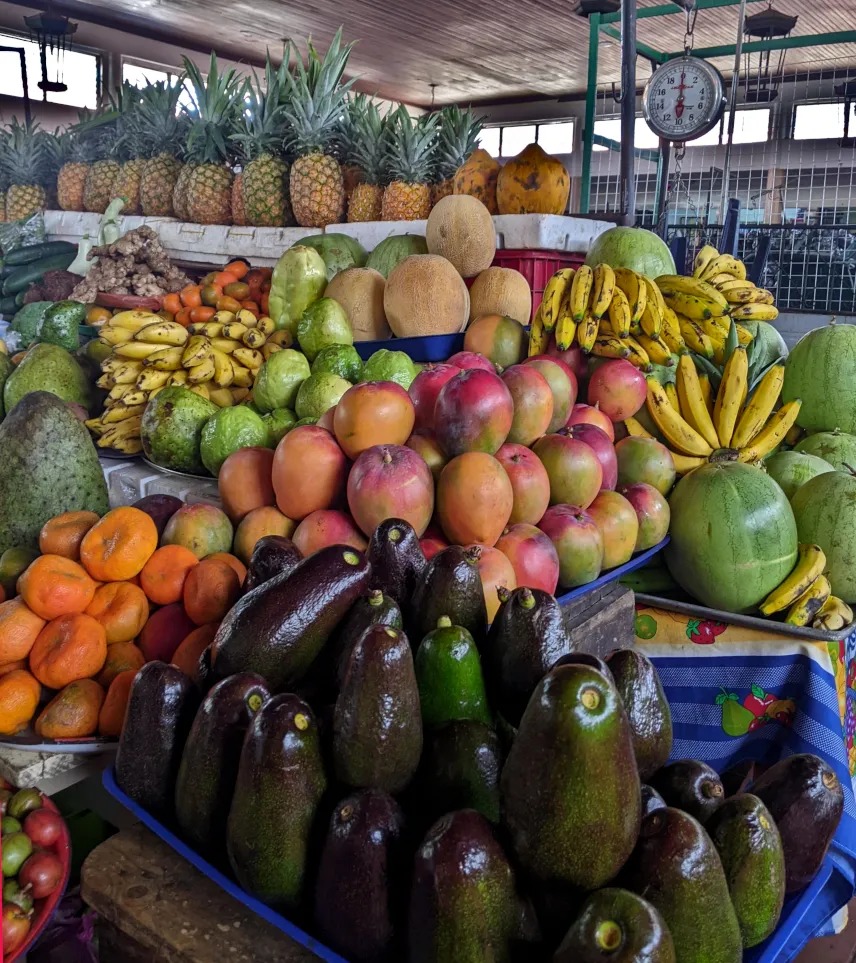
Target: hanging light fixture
<point>52,32</point>
<point>762,77</point>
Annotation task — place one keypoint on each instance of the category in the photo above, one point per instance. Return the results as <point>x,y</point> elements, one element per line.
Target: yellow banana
<point>703,259</point>
<point>724,264</point>
<point>178,378</point>
<point>198,348</point>
<point>718,280</point>
<point>638,355</point>
<point>224,373</point>
<point>226,345</point>
<point>247,317</point>
<point>684,464</point>
<point>693,405</point>
<point>271,348</point>
<point>603,287</point>
<point>680,435</point>
<point>554,293</point>
<point>755,312</point>
<point>833,615</point>
<point>116,435</point>
<point>134,320</point>
<point>154,392</point>
<point>566,327</point>
<point>266,326</point>
<point>239,394</point>
<point>620,315</point>
<point>121,411</point>
<point>672,394</point>
<point>249,358</point>
<point>672,285</point>
<point>285,338</point>
<point>749,296</point>
<point>254,338</point>
<point>716,328</point>
<point>106,381</point>
<point>539,339</point>
<point>201,372</point>
<point>608,346</point>
<point>211,329</point>
<point>759,408</point>
<point>729,398</point>
<point>707,393</point>
<point>695,338</point>
<point>811,561</point>
<point>127,373</point>
<point>95,425</point>
<point>744,336</point>
<point>135,397</point>
<point>657,351</point>
<point>201,390</point>
<point>671,332</point>
<point>221,397</point>
<point>130,446</point>
<point>236,330</point>
<point>111,363</point>
<point>734,284</point>
<point>223,317</point>
<point>635,428</point>
<point>164,332</point>
<point>150,378</point>
<point>118,392</point>
<point>634,287</point>
<point>772,434</point>
<point>651,322</point>
<point>167,359</point>
<point>692,307</point>
<point>806,607</point>
<point>587,331</point>
<point>135,349</point>
<point>242,377</point>
<point>580,290</point>
<point>112,334</point>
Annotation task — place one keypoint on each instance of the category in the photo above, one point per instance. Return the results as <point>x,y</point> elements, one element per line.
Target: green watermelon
<point>825,512</point>
<point>835,447</point>
<point>339,251</point>
<point>392,251</point>
<point>821,371</point>
<point>733,535</point>
<point>632,247</point>
<point>792,469</point>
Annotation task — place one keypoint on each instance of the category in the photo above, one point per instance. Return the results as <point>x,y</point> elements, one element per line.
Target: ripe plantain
<point>127,373</point>
<point>608,346</point>
<point>672,394</point>
<point>754,312</point>
<point>724,264</point>
<point>113,335</point>
<point>671,332</point>
<point>539,339</point>
<point>222,397</point>
<point>587,331</point>
<point>163,333</point>
<point>151,378</point>
<point>266,326</point>
<point>224,373</point>
<point>704,257</point>
<point>581,287</point>
<point>566,327</point>
<point>249,358</point>
<point>620,313</point>
<point>121,412</point>
<point>241,377</point>
<point>554,294</point>
<point>634,287</point>
<point>638,355</point>
<point>197,351</point>
<point>657,351</point>
<point>178,378</point>
<point>673,285</point>
<point>695,338</point>
<point>635,428</point>
<point>200,373</point>
<point>833,615</point>
<point>729,398</point>
<point>254,338</point>
<point>167,359</point>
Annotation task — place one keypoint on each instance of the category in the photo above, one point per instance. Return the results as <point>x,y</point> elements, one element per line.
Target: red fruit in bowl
<point>390,481</point>
<point>44,827</point>
<point>533,403</point>
<point>424,389</point>
<point>599,442</point>
<point>466,360</point>
<point>573,358</point>
<point>563,384</point>
<point>16,928</point>
<point>578,542</point>
<point>652,513</point>
<point>532,555</point>
<point>617,388</point>
<point>573,469</point>
<point>42,872</point>
<point>591,415</point>
<point>529,482</point>
<point>474,412</point>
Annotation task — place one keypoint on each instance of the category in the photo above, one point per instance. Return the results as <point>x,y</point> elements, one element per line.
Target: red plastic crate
<point>536,266</point>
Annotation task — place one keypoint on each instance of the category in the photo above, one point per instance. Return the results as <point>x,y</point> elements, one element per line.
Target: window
<point>78,70</point>
<point>643,137</point>
<point>140,74</point>
<point>822,121</point>
<point>555,138</point>
<point>750,127</point>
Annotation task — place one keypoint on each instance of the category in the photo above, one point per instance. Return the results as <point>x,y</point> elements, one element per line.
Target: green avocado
<point>750,848</point>
<point>60,324</point>
<point>278,789</point>
<point>690,785</point>
<point>451,587</point>
<point>695,905</point>
<point>47,367</point>
<point>172,429</point>
<point>373,608</point>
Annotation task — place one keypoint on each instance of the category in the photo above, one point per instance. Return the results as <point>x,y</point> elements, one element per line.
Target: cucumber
<point>19,298</point>
<point>30,273</point>
<point>36,252</point>
<point>8,306</point>
<point>6,270</point>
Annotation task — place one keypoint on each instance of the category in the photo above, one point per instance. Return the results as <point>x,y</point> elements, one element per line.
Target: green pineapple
<point>162,131</point>
<point>410,161</point>
<point>218,105</point>
<point>24,162</point>
<point>316,101</point>
<point>459,133</point>
<point>347,141</point>
<point>369,154</point>
<point>263,181</point>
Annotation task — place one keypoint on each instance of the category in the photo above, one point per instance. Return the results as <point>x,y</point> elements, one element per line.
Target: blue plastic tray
<point>433,347</point>
<point>613,574</point>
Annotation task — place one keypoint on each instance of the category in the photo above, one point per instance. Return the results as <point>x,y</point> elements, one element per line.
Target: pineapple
<point>459,132</point>
<point>352,172</point>
<point>366,201</point>
<point>410,162</point>
<point>179,194</point>
<point>4,180</point>
<point>129,147</point>
<point>264,179</point>
<point>239,210</point>
<point>103,171</point>
<point>218,105</point>
<point>316,99</point>
<point>163,131</point>
<point>24,161</point>
<point>75,151</point>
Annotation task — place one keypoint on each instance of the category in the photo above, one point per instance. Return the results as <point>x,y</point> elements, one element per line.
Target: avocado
<point>160,508</point>
<point>585,658</point>
<point>690,785</point>
<point>272,555</point>
<point>171,432</point>
<point>451,586</point>
<point>646,706</point>
<point>460,769</point>
<point>618,925</point>
<point>362,877</point>
<point>279,628</point>
<point>449,676</point>
<point>371,608</point>
<point>160,713</point>
<point>739,777</point>
<point>377,727</point>
<point>279,787</point>
<point>651,800</point>
<point>750,849</point>
<point>60,324</point>
<point>527,637</point>
<point>398,562</point>
<point>47,367</point>
<point>570,791</point>
<point>209,763</point>
<point>805,798</point>
<point>695,905</point>
<point>464,905</point>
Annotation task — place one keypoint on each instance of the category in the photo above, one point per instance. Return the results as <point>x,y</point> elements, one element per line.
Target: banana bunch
<point>217,360</point>
<point>727,275</point>
<point>807,595</point>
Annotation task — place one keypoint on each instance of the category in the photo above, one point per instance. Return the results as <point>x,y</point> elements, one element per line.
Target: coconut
<point>502,291</point>
<point>461,230</point>
<point>360,292</point>
<point>426,295</point>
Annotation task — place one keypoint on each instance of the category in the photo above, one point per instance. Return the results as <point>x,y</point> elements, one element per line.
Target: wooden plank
<point>168,912</point>
<point>602,622</point>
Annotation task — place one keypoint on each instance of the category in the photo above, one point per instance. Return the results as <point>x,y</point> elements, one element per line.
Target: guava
<point>386,365</point>
<point>323,323</point>
<point>229,430</point>
<point>278,379</point>
<point>278,423</point>
<point>341,360</point>
<point>318,393</point>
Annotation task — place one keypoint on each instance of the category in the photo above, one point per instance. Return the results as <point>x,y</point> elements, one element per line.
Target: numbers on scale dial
<point>682,100</point>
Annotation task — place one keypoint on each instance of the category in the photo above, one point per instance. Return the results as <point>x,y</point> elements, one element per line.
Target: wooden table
<point>154,907</point>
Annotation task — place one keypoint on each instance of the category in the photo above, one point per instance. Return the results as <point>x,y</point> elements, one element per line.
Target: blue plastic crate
<point>434,347</point>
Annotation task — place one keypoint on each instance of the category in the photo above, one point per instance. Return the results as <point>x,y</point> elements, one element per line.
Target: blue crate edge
<point>613,574</point>
<point>432,347</point>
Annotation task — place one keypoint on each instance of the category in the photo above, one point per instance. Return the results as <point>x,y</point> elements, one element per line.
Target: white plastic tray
<point>547,232</point>
<point>129,481</point>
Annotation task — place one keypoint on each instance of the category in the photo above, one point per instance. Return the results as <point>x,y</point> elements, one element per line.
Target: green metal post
<point>591,106</point>
<point>784,43</point>
<point>672,8</point>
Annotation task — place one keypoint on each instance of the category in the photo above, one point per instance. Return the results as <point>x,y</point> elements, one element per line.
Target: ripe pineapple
<point>366,201</point>
<point>98,188</point>
<point>410,162</point>
<point>352,173</point>
<point>239,210</point>
<point>459,133</point>
<point>179,194</point>
<point>316,99</point>
<point>162,131</point>
<point>73,149</point>
<point>264,179</point>
<point>218,105</point>
<point>24,159</point>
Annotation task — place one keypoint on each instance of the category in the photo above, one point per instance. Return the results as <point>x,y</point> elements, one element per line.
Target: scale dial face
<point>684,99</point>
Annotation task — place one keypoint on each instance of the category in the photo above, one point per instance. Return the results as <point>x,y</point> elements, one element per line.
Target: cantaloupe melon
<point>360,292</point>
<point>461,230</point>
<point>501,291</point>
<point>426,295</point>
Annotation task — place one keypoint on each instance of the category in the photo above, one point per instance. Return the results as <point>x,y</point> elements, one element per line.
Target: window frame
<point>537,124</point>
<point>824,103</point>
<point>97,55</point>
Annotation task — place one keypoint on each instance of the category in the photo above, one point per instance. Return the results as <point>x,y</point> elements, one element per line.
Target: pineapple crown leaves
<point>217,106</point>
<point>410,146</point>
<point>161,126</point>
<point>316,98</point>
<point>263,120</point>
<point>348,131</point>
<point>369,150</point>
<point>459,133</point>
<point>25,156</point>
